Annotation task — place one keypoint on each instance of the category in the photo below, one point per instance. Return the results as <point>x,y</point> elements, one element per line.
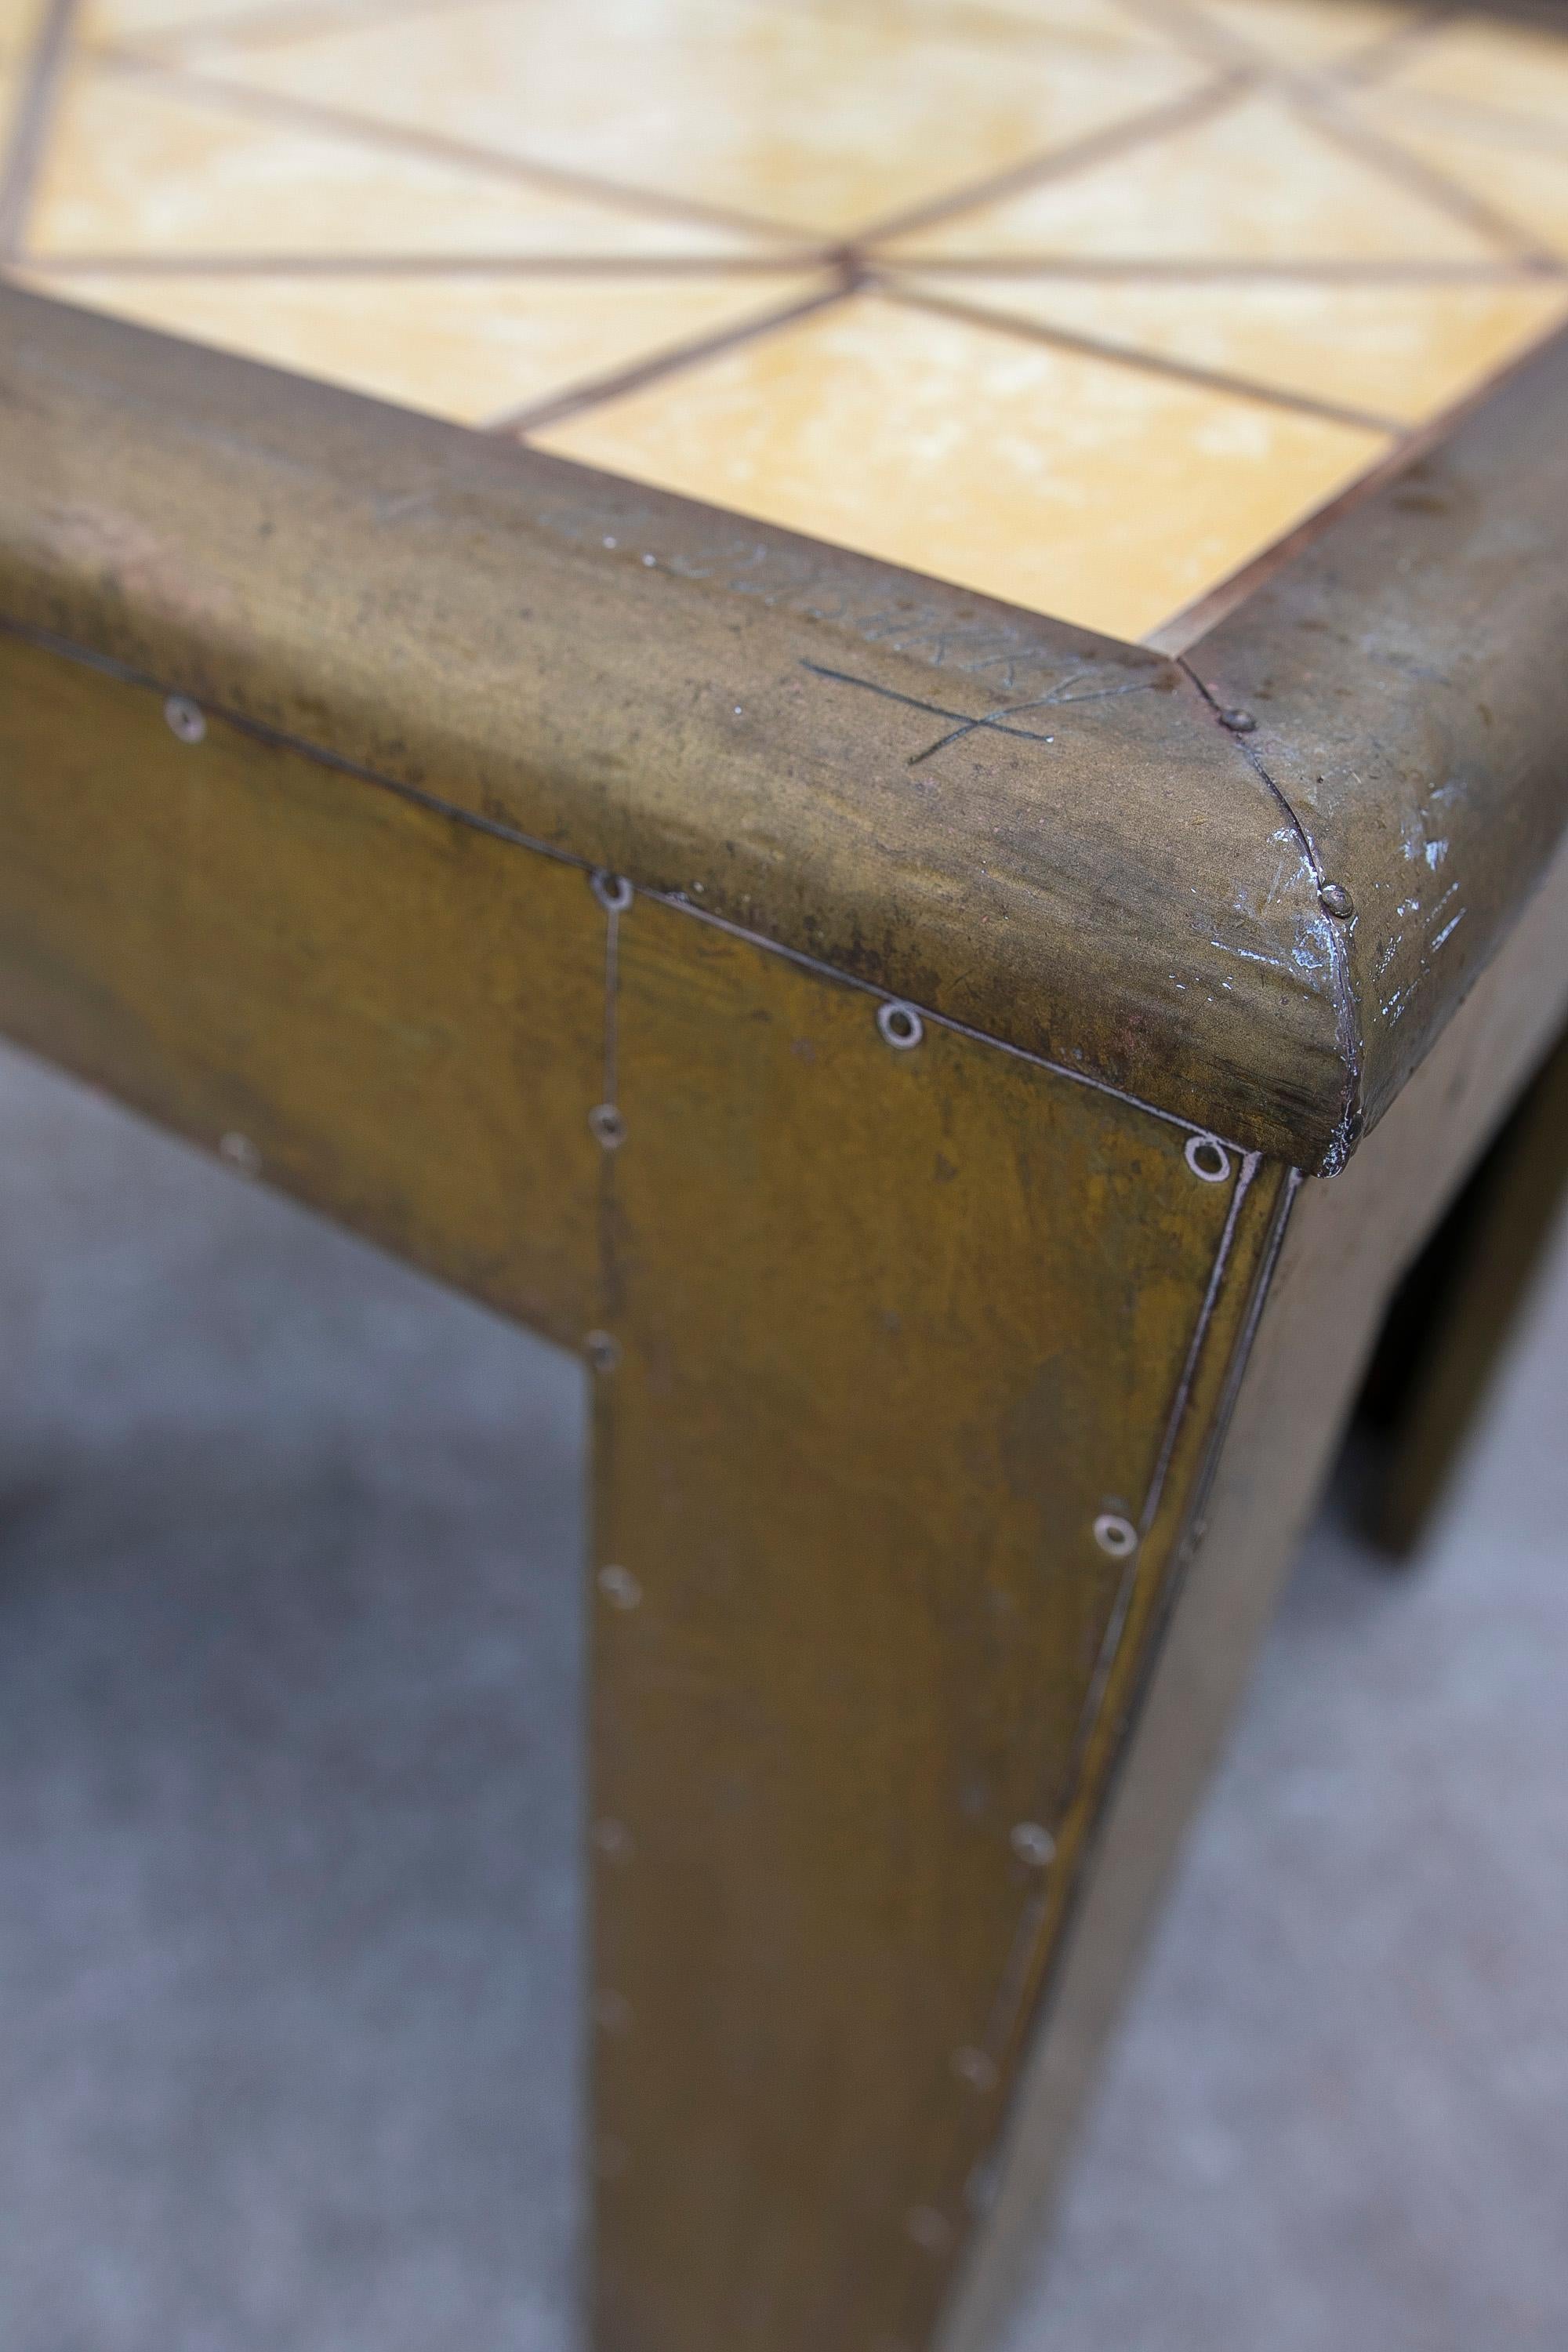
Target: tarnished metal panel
<point>913,1357</point>
<point>376,1006</point>
<point>1408,675</point>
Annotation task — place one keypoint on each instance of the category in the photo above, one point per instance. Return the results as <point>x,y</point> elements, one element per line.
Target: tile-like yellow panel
<point>1256,182</point>
<point>1480,60</point>
<point>136,168</point>
<point>1402,351</point>
<point>20,23</point>
<point>1100,24</point>
<point>160,23</point>
<point>1102,493</point>
<point>466,348</point>
<point>1519,174</point>
<point>819,119</point>
<point>1311,33</point>
<point>10,83</point>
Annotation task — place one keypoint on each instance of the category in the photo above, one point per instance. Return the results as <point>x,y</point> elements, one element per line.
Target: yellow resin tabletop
<point>1086,304</point>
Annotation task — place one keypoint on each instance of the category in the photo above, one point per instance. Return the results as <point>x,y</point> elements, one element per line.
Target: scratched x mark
<point>997,721</point>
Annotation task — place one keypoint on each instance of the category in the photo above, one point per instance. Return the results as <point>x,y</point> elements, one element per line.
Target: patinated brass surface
<point>1045,836</point>
<point>910,1356</point>
<point>381,1008</point>
<point>884,1031</point>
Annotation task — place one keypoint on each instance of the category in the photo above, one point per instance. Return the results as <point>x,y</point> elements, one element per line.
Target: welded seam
<point>1178,1413</point>
<point>1347,1010</point>
<point>1037,1911</point>
<point>1013,1989</point>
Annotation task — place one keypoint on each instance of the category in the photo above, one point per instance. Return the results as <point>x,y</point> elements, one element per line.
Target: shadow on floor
<point>290,1729</point>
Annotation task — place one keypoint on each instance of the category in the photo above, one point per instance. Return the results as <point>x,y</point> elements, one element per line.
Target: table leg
<point>912,1356</point>
<point>914,1359</point>
<point>1456,1310</point>
<point>1344,1247</point>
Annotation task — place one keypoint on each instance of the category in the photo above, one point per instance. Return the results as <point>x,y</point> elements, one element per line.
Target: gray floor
<point>289,1676</point>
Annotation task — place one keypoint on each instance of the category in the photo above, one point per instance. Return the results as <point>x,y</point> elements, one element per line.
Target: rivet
<point>184,719</point>
<point>650,561</point>
<point>241,1153</point>
<point>900,1024</point>
<point>928,2227</point>
<point>613,1840</point>
<point>1336,900</point>
<point>620,1587</point>
<point>1208,1159</point>
<point>1240,722</point>
<point>611,2012</point>
<point>1115,1534</point>
<point>613,891</point>
<point>608,1125</point>
<point>1033,1843</point>
<point>976,2068</point>
<point>603,1352</point>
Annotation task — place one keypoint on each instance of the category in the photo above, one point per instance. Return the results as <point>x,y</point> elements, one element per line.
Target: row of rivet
<point>900,1024</point>
<point>902,1028</point>
<point>1031,1842</point>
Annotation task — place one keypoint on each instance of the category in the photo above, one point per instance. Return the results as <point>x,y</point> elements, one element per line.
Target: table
<point>937,847</point>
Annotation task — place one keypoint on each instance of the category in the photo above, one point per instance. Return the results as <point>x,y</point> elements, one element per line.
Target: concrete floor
<point>288,1687</point>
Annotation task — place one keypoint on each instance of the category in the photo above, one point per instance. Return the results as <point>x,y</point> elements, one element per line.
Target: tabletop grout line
<point>413,265</point>
<point>532,416</point>
<point>1318,94</point>
<point>1398,164</point>
<point>1365,67</point>
<point>1084,154</point>
<point>24,155</point>
<point>1147,270</point>
<point>1150,362</point>
<point>280,27</point>
<point>406,139</point>
<point>1479,120</point>
<point>1178,269</point>
<point>1197,35</point>
<point>1178,634</point>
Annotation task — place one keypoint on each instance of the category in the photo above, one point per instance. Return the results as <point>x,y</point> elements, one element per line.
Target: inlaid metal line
<point>1020,1969</point>
<point>595,266</point>
<point>615,895</point>
<point>273,27</point>
<point>200,85</point>
<point>23,154</point>
<point>1178,1411</point>
<point>1402,166</point>
<point>1144,361</point>
<point>534,415</point>
<point>1135,131</point>
<point>1200,269</point>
